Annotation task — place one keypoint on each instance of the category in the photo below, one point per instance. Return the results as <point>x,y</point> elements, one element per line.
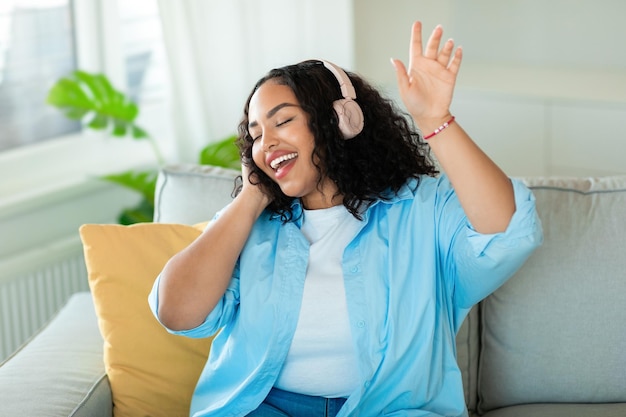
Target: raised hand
<point>427,86</point>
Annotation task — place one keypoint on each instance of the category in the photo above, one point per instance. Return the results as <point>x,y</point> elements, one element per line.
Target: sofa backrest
<point>556,331</point>
<point>190,193</point>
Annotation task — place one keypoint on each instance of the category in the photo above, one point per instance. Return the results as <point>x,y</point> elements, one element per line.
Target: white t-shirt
<point>322,357</point>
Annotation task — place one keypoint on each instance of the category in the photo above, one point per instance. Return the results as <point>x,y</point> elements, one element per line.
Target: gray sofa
<point>550,342</point>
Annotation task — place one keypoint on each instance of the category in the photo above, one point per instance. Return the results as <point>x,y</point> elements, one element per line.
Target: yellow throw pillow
<point>151,372</point>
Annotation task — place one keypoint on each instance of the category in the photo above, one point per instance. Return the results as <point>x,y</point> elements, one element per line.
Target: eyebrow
<point>271,113</point>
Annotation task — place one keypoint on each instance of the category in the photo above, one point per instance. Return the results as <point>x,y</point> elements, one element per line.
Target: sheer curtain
<point>218,49</point>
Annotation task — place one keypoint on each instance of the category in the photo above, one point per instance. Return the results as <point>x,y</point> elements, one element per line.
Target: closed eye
<point>285,122</point>
<point>278,124</point>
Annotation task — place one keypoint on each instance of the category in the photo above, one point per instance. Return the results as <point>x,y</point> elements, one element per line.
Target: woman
<point>342,270</point>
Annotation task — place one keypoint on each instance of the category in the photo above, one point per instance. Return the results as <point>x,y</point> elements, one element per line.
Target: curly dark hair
<point>381,158</point>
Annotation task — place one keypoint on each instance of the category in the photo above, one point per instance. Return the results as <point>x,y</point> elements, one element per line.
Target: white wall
<point>542,87</point>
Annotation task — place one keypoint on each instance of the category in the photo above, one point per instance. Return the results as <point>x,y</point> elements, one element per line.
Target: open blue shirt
<point>411,275</point>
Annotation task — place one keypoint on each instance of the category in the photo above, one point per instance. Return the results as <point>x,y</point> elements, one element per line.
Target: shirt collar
<point>406,192</point>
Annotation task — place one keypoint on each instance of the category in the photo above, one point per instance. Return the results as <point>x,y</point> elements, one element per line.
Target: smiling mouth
<point>282,160</point>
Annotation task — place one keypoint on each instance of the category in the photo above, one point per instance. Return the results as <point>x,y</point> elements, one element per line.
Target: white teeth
<point>274,164</point>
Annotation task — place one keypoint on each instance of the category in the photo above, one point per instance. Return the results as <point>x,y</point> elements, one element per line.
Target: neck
<point>327,196</point>
<point>321,202</point>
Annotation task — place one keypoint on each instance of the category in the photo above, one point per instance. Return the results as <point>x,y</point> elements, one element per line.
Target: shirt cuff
<point>524,223</point>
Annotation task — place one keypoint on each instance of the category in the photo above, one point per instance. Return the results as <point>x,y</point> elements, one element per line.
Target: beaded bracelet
<point>440,128</point>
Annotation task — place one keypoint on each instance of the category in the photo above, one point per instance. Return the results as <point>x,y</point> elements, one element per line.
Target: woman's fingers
<point>445,56</point>
<point>455,64</point>
<point>416,43</point>
<point>432,46</point>
<point>446,52</point>
<point>401,74</point>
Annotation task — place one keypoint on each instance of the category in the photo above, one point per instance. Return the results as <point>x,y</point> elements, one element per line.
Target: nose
<point>268,141</point>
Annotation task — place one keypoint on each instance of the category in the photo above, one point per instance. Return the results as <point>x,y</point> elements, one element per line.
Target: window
<point>44,40</point>
<point>103,36</point>
<point>36,47</point>
<point>143,51</point>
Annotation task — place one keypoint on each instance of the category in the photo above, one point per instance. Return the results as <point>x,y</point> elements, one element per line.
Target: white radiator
<point>30,299</point>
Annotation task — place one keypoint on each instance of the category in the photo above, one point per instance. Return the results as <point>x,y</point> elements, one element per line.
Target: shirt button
<point>354,269</point>
<point>367,384</point>
<point>360,323</point>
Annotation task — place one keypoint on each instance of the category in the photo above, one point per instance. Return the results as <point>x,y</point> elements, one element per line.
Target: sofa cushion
<point>151,372</point>
<point>555,331</point>
<point>59,372</point>
<point>190,194</point>
<point>561,410</point>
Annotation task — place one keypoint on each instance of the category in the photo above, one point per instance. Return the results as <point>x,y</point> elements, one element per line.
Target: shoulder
<point>416,197</point>
<point>423,188</point>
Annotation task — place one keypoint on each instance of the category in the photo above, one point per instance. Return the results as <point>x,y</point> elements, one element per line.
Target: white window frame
<point>32,172</point>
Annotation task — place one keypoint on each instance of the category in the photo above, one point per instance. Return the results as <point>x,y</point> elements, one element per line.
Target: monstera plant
<point>91,99</point>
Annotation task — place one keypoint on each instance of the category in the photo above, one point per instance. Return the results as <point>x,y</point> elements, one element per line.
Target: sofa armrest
<point>60,371</point>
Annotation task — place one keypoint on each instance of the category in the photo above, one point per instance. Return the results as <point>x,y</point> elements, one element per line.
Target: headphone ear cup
<point>350,117</point>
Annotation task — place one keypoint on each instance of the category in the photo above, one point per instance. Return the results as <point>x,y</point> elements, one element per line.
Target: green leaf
<point>141,213</point>
<point>119,128</point>
<point>143,182</point>
<point>99,122</point>
<point>223,153</point>
<point>94,85</point>
<point>67,94</point>
<point>92,98</point>
<point>139,133</point>
<point>75,113</point>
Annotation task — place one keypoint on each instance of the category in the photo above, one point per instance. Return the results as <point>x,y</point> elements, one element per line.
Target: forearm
<point>484,191</point>
<point>194,280</point>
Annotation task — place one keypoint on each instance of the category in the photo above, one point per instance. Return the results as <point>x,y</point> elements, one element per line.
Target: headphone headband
<point>347,89</point>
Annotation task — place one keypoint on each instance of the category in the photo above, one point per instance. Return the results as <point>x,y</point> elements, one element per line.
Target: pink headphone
<point>348,111</point>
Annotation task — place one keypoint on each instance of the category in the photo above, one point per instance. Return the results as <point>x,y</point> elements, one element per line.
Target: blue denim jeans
<point>280,403</point>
